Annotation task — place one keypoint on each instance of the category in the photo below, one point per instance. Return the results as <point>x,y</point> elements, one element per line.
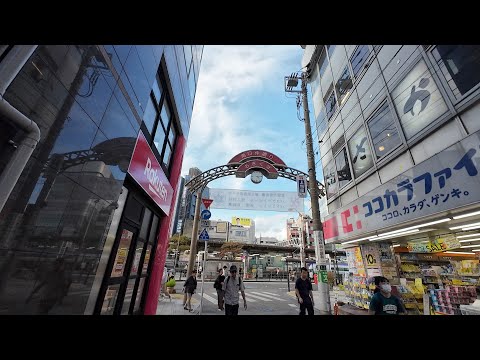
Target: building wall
<point>368,130</point>
<point>86,100</point>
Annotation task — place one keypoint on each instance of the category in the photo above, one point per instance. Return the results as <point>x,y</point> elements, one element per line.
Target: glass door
<point>130,264</point>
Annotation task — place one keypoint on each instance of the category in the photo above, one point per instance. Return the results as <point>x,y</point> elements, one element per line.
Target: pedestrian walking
<point>164,282</point>
<point>218,285</point>
<point>303,290</point>
<point>225,271</point>
<point>232,285</point>
<point>383,301</point>
<point>189,289</point>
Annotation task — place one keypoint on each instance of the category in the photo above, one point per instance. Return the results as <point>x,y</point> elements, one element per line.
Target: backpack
<point>216,284</point>
<point>239,282</point>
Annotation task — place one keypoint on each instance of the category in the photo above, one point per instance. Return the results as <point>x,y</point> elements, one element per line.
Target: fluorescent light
<point>468,240</point>
<point>466,215</point>
<point>435,222</point>
<point>470,246</point>
<point>476,250</point>
<point>365,238</point>
<point>417,226</point>
<point>464,226</point>
<point>394,235</point>
<point>458,252</point>
<point>471,228</point>
<point>396,245</point>
<point>465,236</point>
<point>348,242</point>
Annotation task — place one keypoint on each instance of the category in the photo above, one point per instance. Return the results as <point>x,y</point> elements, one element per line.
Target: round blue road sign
<point>206,214</point>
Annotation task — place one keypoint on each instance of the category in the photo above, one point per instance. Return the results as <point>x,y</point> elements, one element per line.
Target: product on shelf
<point>448,300</point>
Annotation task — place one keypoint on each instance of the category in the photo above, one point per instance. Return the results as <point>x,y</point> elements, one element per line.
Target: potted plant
<point>170,285</point>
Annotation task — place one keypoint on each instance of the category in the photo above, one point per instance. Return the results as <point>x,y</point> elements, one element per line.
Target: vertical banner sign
<point>371,256</point>
<point>301,186</point>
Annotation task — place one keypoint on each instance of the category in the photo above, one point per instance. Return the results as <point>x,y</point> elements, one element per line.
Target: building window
<point>383,131</point>
<point>460,64</point>
<point>160,123</point>
<point>343,86</point>
<point>330,102</point>
<point>331,49</point>
<point>343,169</point>
<point>358,59</point>
<point>418,100</point>
<point>322,63</point>
<point>360,152</point>
<point>187,51</point>
<point>330,179</point>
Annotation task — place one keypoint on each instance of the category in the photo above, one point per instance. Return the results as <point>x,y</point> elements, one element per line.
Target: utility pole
<point>193,242</point>
<point>302,242</point>
<point>291,83</point>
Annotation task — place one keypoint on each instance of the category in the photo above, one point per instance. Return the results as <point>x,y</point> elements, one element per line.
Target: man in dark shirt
<point>303,290</point>
<point>383,302</point>
<point>219,287</point>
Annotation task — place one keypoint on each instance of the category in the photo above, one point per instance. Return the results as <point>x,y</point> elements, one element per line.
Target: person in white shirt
<point>231,286</point>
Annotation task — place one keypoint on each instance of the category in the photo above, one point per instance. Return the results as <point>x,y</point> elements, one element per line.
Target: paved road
<point>263,298</point>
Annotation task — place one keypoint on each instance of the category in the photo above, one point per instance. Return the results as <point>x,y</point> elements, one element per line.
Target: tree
<point>183,245</point>
<point>231,250</point>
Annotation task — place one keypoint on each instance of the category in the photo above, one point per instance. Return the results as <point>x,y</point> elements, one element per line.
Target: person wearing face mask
<point>383,301</point>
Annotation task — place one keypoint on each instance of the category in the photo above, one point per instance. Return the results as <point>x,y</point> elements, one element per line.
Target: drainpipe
<point>11,66</point>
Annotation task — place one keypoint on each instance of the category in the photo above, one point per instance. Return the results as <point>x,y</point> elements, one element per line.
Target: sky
<point>240,104</point>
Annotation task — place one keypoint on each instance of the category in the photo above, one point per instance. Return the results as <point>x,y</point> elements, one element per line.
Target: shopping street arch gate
<point>257,163</point>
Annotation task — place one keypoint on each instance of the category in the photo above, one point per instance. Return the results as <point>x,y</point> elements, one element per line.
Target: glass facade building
<point>79,233</point>
<point>382,114</point>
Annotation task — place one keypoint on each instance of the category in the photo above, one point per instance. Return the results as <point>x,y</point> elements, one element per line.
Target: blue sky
<point>240,105</point>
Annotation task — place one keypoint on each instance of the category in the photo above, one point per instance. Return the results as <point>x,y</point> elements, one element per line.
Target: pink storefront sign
<point>147,172</point>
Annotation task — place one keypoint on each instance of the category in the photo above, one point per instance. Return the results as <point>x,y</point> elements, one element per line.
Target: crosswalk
<point>252,297</point>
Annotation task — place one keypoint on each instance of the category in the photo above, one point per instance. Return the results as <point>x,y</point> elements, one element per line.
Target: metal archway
<point>241,165</point>
<point>200,181</point>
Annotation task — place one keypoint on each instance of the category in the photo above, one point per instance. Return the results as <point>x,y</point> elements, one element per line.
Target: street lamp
<point>291,85</point>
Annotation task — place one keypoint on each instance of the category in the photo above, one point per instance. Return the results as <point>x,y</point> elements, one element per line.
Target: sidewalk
<point>175,305</point>
<point>316,297</point>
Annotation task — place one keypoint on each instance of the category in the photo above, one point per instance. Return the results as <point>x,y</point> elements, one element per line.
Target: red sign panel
<point>207,202</point>
<point>272,158</point>
<point>257,164</point>
<point>148,173</point>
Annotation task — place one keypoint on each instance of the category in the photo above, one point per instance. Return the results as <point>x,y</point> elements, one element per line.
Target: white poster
<point>283,201</point>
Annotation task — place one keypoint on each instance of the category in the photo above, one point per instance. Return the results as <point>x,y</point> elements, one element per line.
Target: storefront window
<point>383,131</point>
<point>343,170</point>
<point>330,179</point>
<point>343,86</point>
<point>418,100</point>
<point>358,59</point>
<point>360,152</point>
<point>460,64</point>
<point>330,102</point>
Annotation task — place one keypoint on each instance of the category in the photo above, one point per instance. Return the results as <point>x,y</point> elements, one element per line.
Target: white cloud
<point>219,128</point>
<point>274,226</point>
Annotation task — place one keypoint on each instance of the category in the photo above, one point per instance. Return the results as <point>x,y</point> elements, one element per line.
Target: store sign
<point>147,172</point>
<point>437,245</point>
<point>241,221</point>
<point>371,256</point>
<point>446,181</point>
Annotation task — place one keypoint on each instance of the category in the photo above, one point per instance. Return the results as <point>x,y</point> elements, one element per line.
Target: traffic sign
<point>205,223</point>
<point>206,214</point>
<point>204,235</point>
<point>207,202</point>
